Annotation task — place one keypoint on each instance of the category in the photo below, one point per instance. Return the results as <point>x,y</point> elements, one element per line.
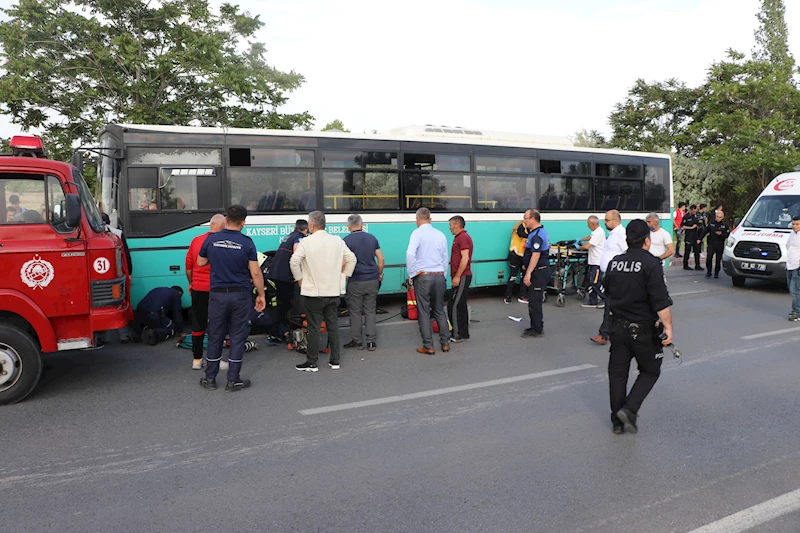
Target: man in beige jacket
<point>319,264</point>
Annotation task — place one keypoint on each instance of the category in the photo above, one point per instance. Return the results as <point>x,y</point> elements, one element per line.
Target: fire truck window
<point>24,199</point>
<point>56,212</point>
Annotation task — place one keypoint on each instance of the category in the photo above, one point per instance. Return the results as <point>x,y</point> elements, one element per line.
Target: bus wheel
<point>20,364</point>
<point>738,281</point>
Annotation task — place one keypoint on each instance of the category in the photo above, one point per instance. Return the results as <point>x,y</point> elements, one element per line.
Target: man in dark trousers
<point>281,273</point>
<point>461,274</point>
<point>537,274</point>
<point>159,314</point>
<point>234,263</point>
<point>717,232</point>
<point>638,300</point>
<point>362,288</point>
<point>690,224</point>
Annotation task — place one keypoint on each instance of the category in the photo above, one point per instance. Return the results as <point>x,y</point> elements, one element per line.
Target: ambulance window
<point>24,198</point>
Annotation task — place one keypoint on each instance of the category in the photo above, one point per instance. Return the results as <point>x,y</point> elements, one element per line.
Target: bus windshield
<point>773,212</point>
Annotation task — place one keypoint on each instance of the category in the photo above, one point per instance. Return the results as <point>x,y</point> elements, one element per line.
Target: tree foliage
<point>335,125</point>
<point>732,134</point>
<point>70,66</point>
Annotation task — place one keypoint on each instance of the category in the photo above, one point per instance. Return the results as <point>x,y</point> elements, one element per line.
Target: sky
<point>530,66</point>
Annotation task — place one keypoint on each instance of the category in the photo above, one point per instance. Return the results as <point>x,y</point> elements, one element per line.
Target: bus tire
<point>738,281</point>
<point>21,363</point>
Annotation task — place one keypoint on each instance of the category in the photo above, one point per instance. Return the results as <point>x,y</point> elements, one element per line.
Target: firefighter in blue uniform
<point>639,312</point>
<point>537,259</point>
<point>280,273</point>
<point>159,314</point>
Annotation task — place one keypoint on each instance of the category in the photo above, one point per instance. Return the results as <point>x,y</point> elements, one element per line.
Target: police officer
<point>690,224</point>
<point>159,314</point>
<point>638,300</point>
<point>537,257</point>
<point>281,274</point>
<point>717,232</point>
<point>234,263</point>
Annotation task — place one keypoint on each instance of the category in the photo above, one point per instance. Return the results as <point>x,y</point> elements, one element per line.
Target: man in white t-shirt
<point>595,244</point>
<point>616,243</point>
<point>793,268</point>
<point>660,240</point>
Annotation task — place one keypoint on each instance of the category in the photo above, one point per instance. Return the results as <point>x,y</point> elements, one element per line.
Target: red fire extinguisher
<point>411,302</point>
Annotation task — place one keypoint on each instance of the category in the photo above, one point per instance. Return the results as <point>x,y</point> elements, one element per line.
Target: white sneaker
<point>197,364</point>
<point>601,306</point>
<point>223,365</point>
<point>589,306</point>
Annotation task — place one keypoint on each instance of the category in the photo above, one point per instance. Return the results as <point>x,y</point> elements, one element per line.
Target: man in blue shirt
<point>537,257</point>
<point>233,260</point>
<point>426,262</point>
<point>281,274</point>
<point>362,288</point>
<point>154,312</point>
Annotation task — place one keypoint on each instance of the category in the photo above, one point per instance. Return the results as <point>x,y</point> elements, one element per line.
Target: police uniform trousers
<point>199,321</point>
<point>691,246</point>
<point>714,251</point>
<point>648,357</point>
<point>155,320</point>
<point>227,314</point>
<point>539,278</point>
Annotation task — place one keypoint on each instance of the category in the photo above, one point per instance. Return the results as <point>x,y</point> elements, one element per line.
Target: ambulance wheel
<point>544,296</point>
<point>738,281</point>
<point>20,364</point>
<point>560,300</point>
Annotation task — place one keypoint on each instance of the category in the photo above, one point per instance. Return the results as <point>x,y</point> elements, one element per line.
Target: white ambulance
<point>757,247</point>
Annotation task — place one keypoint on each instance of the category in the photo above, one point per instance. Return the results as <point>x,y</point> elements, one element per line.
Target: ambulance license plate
<point>754,266</point>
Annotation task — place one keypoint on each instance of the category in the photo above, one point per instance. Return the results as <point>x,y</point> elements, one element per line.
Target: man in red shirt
<point>199,287</point>
<point>460,259</point>
<point>677,219</point>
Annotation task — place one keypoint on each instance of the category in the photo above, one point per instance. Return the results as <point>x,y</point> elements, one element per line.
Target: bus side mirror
<point>73,210</point>
<point>77,161</point>
<point>736,221</point>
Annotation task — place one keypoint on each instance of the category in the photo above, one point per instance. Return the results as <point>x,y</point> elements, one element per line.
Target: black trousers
<point>199,321</point>
<point>539,279</point>
<point>692,246</point>
<point>319,309</point>
<point>514,268</point>
<point>714,250</point>
<point>286,294</point>
<point>457,309</point>
<point>625,348</point>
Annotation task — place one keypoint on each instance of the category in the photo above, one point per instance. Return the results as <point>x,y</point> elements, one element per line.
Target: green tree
<point>588,139</point>
<point>70,66</point>
<point>335,125</point>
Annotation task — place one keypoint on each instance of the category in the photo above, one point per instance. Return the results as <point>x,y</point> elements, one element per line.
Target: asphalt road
<point>503,434</point>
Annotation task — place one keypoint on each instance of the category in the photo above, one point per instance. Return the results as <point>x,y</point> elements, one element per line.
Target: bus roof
<point>406,133</point>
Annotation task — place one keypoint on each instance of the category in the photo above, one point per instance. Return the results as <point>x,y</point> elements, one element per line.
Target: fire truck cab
<point>63,278</point>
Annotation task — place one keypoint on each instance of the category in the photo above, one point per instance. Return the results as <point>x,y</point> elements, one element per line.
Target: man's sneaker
<point>522,300</point>
<point>601,306</point>
<point>456,340</point>
<point>208,384</point>
<point>307,367</point>
<point>234,386</point>
<point>354,344</point>
<point>618,430</point>
<point>589,306</point>
<point>149,337</point>
<point>530,332</point>
<point>334,366</point>
<point>716,276</point>
<point>223,365</point>
<point>628,419</point>
<point>507,300</point>
<point>197,364</point>
<point>794,317</point>
<point>699,268</point>
<point>678,256</point>
<point>708,274</point>
<point>687,268</point>
<point>371,346</point>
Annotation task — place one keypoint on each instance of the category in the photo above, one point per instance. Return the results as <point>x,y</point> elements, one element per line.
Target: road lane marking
<point>755,516</point>
<point>447,390</point>
<point>770,333</point>
<point>688,293</point>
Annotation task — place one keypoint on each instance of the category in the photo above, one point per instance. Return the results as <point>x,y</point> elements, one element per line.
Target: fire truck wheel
<point>20,364</point>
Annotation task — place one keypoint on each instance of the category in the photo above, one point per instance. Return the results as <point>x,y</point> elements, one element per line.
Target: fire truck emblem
<point>37,273</point>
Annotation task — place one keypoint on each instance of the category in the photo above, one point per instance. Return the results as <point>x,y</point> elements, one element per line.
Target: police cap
<point>636,232</point>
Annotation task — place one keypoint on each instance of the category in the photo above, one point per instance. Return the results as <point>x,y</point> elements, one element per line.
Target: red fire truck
<point>62,278</point>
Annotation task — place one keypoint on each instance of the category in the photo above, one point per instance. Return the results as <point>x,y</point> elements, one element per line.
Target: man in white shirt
<point>596,243</point>
<point>317,264</point>
<point>426,262</point>
<point>616,243</point>
<point>660,240</point>
<point>793,268</point>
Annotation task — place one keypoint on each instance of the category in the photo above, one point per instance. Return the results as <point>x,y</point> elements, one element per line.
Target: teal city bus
<point>162,184</point>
